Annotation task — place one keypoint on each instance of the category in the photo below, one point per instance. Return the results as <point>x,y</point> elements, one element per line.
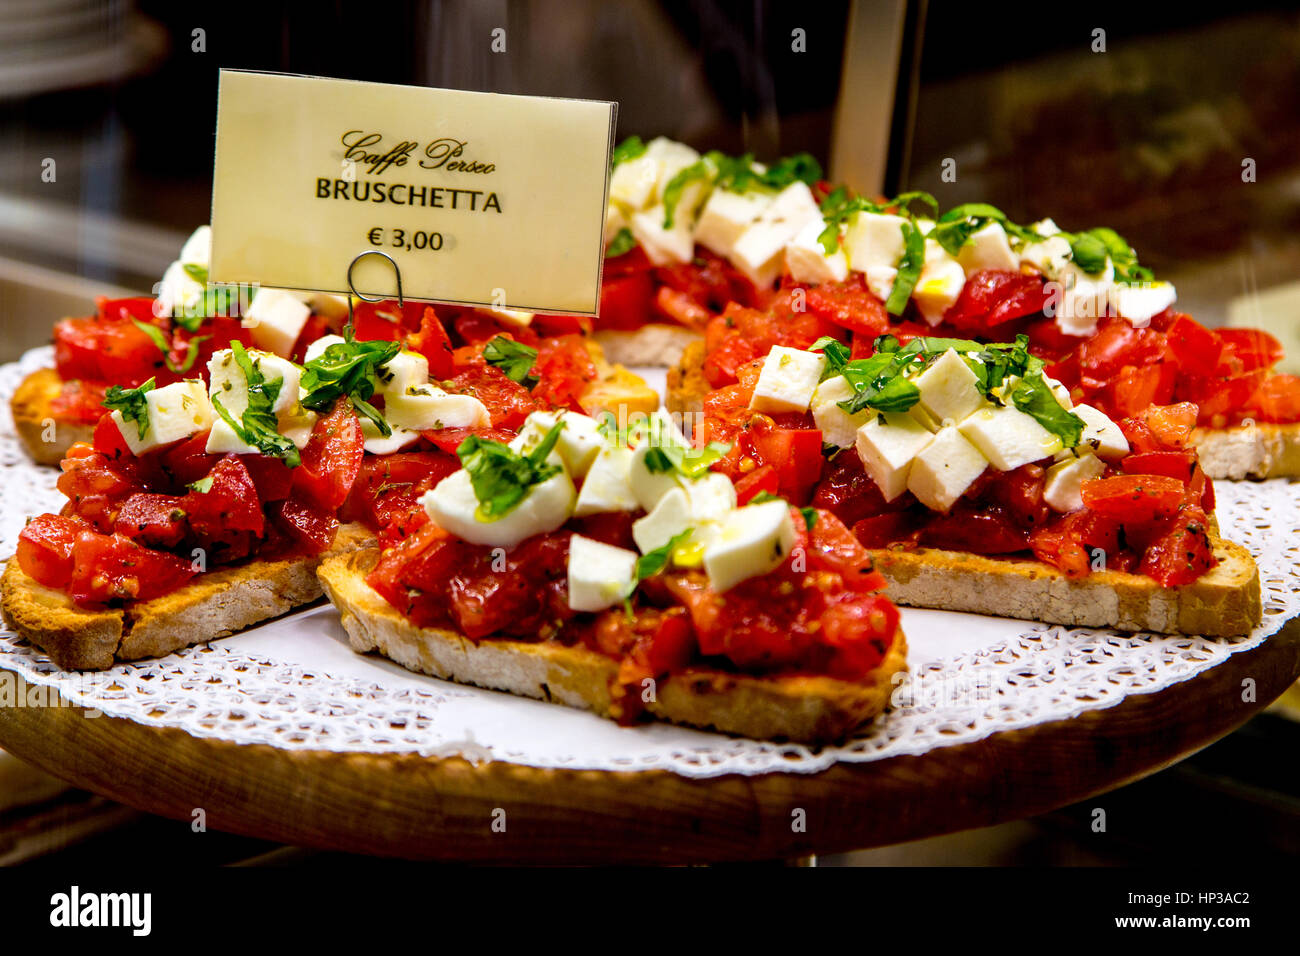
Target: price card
<point>478,198</point>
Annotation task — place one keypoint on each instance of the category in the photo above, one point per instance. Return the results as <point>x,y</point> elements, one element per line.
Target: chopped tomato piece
<point>45,548</point>
<point>626,301</point>
<point>992,297</point>
<point>1171,424</point>
<point>508,403</point>
<point>331,458</point>
<point>981,529</point>
<point>227,503</point>
<point>1183,553</point>
<point>565,371</point>
<point>433,342</point>
<point>111,568</point>
<point>156,521</point>
<point>1247,350</point>
<point>78,401</point>
<point>850,305</point>
<point>1195,347</point>
<point>1276,400</point>
<point>880,531</point>
<point>764,478</point>
<point>681,308</point>
<point>1133,498</point>
<point>1137,387</point>
<point>188,461</point>
<point>795,453</point>
<point>1172,464</point>
<point>309,526</point>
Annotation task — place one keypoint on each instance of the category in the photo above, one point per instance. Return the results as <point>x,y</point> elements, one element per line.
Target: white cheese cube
<point>600,575</point>
<point>546,506</point>
<point>887,449</point>
<point>726,216</point>
<point>671,158</point>
<point>615,222</point>
<point>1062,484</point>
<point>1060,391</point>
<point>649,486</point>
<point>945,469</point>
<point>875,240</point>
<point>606,487</point>
<point>178,293</point>
<point>226,380</point>
<point>750,541</point>
<point>427,407</point>
<point>806,260</point>
<point>1084,300</point>
<point>669,518</point>
<point>376,443</point>
<point>1050,257</point>
<point>175,411</point>
<point>948,388</point>
<point>939,284</point>
<point>710,496</point>
<point>664,246</point>
<point>404,370</point>
<point>274,319</point>
<point>759,252</point>
<point>1143,301</point>
<point>198,247</point>
<point>880,280</point>
<point>578,444</point>
<point>988,248</point>
<point>516,318</point>
<point>632,183</point>
<point>317,348</point>
<point>1045,227</point>
<point>1008,437</point>
<point>1100,434</point>
<point>838,427</point>
<point>787,381</point>
<point>328,304</point>
<point>222,440</point>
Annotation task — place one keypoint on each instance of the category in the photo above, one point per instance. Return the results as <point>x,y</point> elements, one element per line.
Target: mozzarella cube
<point>875,240</point>
<point>606,487</point>
<point>404,370</point>
<point>949,389</point>
<point>726,216</point>
<point>175,411</point>
<point>427,407</point>
<point>1084,299</point>
<point>750,541</point>
<point>1102,435</point>
<point>806,260</point>
<point>837,426</point>
<point>198,247</point>
<point>376,443</point>
<point>222,440</point>
<point>226,380</point>
<point>512,317</point>
<point>316,349</point>
<point>178,293</point>
<point>615,222</point>
<point>1045,227</point>
<point>888,448</point>
<point>1008,437</point>
<point>988,248</point>
<point>669,518</point>
<point>939,284</point>
<point>1062,484</point>
<point>664,246</point>
<point>787,381</point>
<point>759,251</point>
<point>600,575</point>
<point>649,486</point>
<point>328,304</point>
<point>1060,391</point>
<point>945,469</point>
<point>1143,301</point>
<point>671,157</point>
<point>632,183</point>
<point>880,280</point>
<point>275,317</point>
<point>710,496</point>
<point>578,443</point>
<point>546,505</point>
<point>1050,257</point>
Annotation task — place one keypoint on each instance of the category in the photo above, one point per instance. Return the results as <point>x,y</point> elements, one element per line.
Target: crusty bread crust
<point>212,605</point>
<point>1224,602</point>
<point>658,343</point>
<point>687,385</point>
<point>806,708</point>
<point>1262,450</point>
<point>30,406</point>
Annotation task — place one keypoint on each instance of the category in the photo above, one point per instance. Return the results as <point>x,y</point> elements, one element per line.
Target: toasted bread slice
<point>615,389</point>
<point>658,343</point>
<point>804,708</point>
<point>46,438</point>
<point>212,605</point>
<point>1224,602</point>
<point>1262,450</point>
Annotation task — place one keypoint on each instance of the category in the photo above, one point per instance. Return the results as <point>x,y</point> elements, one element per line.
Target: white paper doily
<point>294,683</point>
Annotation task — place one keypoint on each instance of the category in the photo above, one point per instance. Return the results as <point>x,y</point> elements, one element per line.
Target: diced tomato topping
<point>1172,464</point>
<point>78,401</point>
<point>626,301</point>
<point>389,486</point>
<point>508,402</point>
<point>1196,348</point>
<point>992,297</point>
<point>308,525</point>
<point>762,479</point>
<point>331,459</point>
<point>1133,498</point>
<point>434,344</point>
<point>681,308</point>
<point>1276,400</point>
<point>850,305</point>
<point>1137,387</point>
<point>226,503</point>
<point>112,568</point>
<point>153,520</point>
<point>1183,553</point>
<point>565,371</point>
<point>45,548</point>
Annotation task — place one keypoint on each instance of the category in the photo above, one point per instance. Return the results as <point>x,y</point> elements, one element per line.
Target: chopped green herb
<point>630,148</point>
<point>652,562</point>
<point>203,485</point>
<point>500,476</point>
<point>159,339</point>
<point>513,358</point>
<point>1034,397</point>
<point>259,426</point>
<point>349,369</point>
<point>909,269</point>
<point>688,461</point>
<point>809,514</point>
<point>622,243</point>
<point>130,402</point>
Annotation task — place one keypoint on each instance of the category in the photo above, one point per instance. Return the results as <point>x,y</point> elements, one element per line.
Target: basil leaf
<point>513,358</point>
<point>259,426</point>
<point>196,272</point>
<point>903,202</point>
<point>837,355</point>
<point>131,403</point>
<point>1033,397</point>
<point>1088,252</point>
<point>203,485</point>
<point>672,196</point>
<point>801,167</point>
<point>351,369</point>
<point>622,243</point>
<point>909,269</point>
<point>809,514</point>
<point>652,562</point>
<point>500,476</point>
<point>159,339</point>
<point>690,462</point>
<point>630,148</point>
